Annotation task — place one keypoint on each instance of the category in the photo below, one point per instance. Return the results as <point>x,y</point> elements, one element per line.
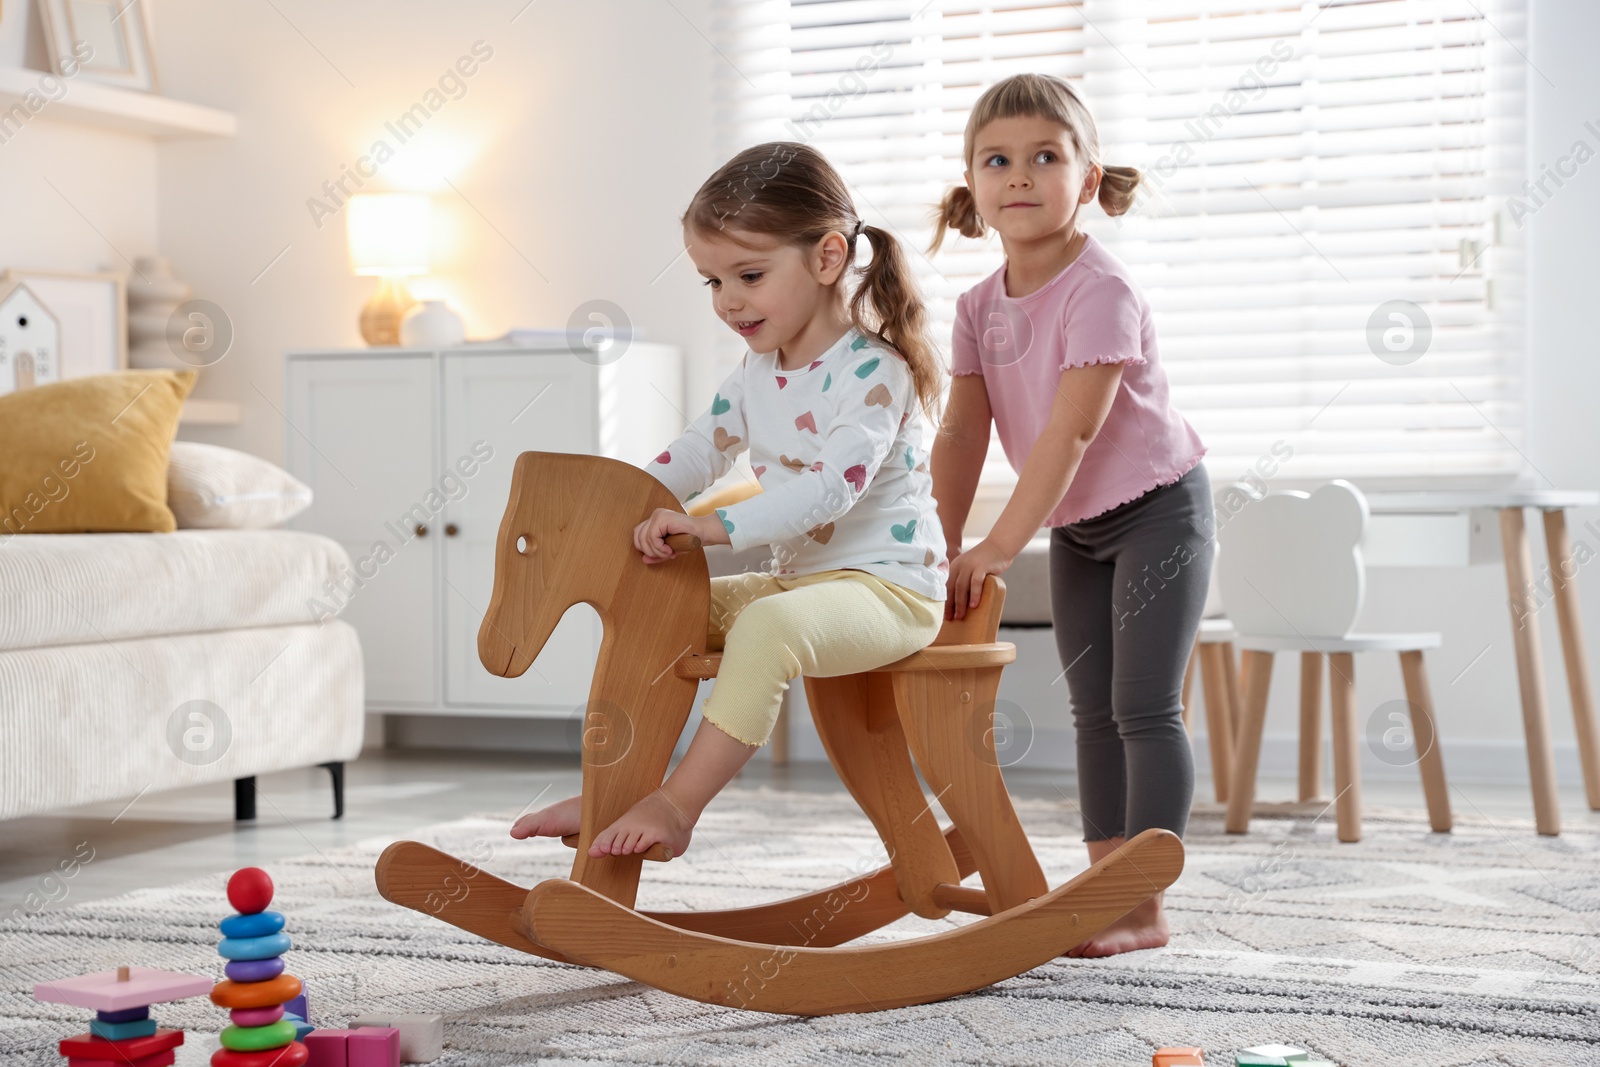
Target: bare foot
<point>558,820</point>
<point>654,819</point>
<point>1143,927</point>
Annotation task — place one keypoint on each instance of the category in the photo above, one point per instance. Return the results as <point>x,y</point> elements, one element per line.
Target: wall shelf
<point>107,107</point>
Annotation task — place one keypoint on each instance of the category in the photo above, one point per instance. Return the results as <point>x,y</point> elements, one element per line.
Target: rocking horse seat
<point>566,538</point>
<point>700,667</point>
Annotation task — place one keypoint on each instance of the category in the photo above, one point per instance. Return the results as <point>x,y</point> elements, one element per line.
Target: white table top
<point>1457,500</point>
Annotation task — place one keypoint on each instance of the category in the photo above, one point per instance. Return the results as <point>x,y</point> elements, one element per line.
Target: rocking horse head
<point>567,538</point>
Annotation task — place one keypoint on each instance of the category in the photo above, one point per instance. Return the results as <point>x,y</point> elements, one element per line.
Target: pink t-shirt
<point>1092,312</point>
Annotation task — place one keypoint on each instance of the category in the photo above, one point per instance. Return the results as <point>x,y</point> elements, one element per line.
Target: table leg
<point>1530,673</point>
<point>1562,568</point>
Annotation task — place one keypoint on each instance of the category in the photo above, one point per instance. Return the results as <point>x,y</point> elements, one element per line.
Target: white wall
<point>57,210</point>
<point>574,150</point>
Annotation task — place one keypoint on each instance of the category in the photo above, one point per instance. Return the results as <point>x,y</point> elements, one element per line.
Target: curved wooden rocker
<point>567,538</point>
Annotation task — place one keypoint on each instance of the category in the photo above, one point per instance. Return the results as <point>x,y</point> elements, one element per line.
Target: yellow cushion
<point>90,454</point>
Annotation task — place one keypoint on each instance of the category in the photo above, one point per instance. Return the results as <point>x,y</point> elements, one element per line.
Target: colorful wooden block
<point>299,1004</point>
<point>256,1038</point>
<point>256,1016</point>
<point>256,924</point>
<point>89,1047</point>
<point>103,992</point>
<point>160,1059</point>
<point>128,1015</point>
<point>292,1055</point>
<point>254,970</point>
<point>374,1046</point>
<point>328,1048</point>
<point>1187,1056</point>
<point>1268,1056</point>
<point>250,890</point>
<point>254,948</point>
<point>421,1036</point>
<point>301,1027</point>
<point>230,994</point>
<point>119,1031</point>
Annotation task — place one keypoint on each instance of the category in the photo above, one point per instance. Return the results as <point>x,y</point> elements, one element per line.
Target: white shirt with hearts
<point>837,447</point>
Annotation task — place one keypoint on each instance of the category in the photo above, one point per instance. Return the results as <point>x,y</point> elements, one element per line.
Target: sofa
<point>137,662</point>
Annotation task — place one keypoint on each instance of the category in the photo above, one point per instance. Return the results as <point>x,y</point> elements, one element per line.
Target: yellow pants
<point>822,625</point>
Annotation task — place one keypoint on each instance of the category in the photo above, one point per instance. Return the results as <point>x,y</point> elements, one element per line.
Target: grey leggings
<point>1127,589</point>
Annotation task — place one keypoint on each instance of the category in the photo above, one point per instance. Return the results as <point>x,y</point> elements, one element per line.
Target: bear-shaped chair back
<point>1289,563</point>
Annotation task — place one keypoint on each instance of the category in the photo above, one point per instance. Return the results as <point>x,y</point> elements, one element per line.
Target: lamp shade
<point>388,233</point>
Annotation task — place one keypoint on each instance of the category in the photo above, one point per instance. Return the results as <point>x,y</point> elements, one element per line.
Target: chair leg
<point>1257,668</point>
<point>1188,686</point>
<point>1230,659</point>
<point>949,724</point>
<point>1310,725</point>
<point>1425,733</point>
<point>1346,753</point>
<point>863,736</point>
<point>244,799</point>
<point>1219,722</point>
<point>336,772</point>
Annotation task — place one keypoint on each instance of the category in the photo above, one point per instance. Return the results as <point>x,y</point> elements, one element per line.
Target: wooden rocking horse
<point>567,538</point>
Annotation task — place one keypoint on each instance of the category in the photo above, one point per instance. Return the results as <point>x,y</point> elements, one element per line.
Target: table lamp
<point>388,235</point>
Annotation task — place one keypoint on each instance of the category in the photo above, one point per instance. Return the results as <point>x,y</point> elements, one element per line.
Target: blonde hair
<point>790,191</point>
<point>1041,96</point>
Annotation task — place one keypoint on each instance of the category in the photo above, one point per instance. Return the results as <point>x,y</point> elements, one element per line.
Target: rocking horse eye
<point>525,545</point>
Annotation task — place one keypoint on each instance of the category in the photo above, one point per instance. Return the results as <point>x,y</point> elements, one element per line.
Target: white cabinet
<point>410,453</point>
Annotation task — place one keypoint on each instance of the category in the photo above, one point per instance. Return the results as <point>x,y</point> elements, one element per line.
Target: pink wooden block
<point>327,1048</point>
<point>375,1046</point>
<point>102,992</point>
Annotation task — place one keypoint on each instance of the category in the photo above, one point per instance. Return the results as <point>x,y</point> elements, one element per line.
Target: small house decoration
<point>30,339</point>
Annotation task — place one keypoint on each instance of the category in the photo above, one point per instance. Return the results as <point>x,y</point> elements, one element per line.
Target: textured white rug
<point>1476,948</point>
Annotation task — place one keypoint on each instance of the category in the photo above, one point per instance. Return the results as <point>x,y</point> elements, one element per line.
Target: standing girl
<point>1058,348</point>
<point>829,400</point>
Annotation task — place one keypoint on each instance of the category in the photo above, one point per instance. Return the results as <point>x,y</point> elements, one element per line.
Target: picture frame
<point>92,309</point>
<point>117,31</point>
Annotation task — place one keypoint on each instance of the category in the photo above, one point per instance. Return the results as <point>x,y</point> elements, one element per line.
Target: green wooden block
<point>1253,1059</point>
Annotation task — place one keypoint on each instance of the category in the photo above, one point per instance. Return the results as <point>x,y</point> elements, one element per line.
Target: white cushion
<point>210,487</point>
<point>60,589</point>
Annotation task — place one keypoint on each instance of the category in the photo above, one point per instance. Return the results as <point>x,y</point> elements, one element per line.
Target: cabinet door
<point>509,403</point>
<point>362,434</point>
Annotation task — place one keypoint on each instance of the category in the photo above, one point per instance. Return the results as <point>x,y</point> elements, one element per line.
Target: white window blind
<point>1307,165</point>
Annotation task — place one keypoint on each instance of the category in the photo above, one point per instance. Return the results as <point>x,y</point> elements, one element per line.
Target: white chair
<point>1292,578</point>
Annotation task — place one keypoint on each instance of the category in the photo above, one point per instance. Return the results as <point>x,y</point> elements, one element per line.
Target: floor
<point>163,838</point>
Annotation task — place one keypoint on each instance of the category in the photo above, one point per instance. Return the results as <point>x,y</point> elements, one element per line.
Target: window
<point>1330,233</point>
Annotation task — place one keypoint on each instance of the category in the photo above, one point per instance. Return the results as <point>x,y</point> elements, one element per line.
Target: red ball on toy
<point>250,890</point>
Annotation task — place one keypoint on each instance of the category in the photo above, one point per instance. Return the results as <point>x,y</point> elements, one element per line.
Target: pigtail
<point>957,211</point>
<point>888,287</point>
<point>1116,188</point>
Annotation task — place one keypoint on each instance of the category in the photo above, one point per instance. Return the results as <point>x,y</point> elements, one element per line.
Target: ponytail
<point>957,211</point>
<point>889,288</point>
<point>1116,189</point>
